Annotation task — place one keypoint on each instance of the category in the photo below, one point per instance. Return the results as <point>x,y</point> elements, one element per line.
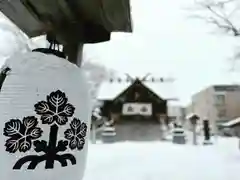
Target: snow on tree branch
<point>97,73</point>
<point>224,14</point>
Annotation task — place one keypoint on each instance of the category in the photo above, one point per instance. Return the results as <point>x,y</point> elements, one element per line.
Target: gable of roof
<point>163,90</point>
<point>137,82</point>
<point>110,90</point>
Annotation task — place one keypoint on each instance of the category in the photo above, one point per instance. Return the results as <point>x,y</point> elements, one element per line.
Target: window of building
<point>219,99</point>
<point>222,113</point>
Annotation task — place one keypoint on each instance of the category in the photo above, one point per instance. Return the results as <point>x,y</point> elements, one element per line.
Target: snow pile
<point>232,122</point>
<point>163,160</point>
<point>13,40</point>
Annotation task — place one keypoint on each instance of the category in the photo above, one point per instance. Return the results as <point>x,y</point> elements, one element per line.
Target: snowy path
<point>164,161</point>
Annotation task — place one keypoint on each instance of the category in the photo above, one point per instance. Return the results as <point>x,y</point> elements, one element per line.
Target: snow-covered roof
<point>109,90</point>
<point>163,90</point>
<point>232,122</point>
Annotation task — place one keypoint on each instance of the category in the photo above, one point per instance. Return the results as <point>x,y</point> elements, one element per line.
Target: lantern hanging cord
<point>3,75</point>
<point>53,42</point>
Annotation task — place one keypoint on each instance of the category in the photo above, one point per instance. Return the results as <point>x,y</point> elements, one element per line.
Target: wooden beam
<point>34,17</point>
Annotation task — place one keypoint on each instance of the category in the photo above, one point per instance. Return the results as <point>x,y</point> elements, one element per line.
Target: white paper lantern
<point>45,114</point>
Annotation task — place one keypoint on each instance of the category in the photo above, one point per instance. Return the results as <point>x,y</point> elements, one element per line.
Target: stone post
<point>93,133</point>
<point>161,119</point>
<point>193,118</point>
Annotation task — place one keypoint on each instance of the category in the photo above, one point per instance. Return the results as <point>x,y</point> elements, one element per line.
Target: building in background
<point>136,110</point>
<point>218,103</point>
<point>176,113</point>
<point>138,107</point>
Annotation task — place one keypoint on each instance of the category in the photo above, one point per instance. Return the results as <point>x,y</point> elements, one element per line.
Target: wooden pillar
<point>161,119</point>
<point>93,133</point>
<point>74,52</point>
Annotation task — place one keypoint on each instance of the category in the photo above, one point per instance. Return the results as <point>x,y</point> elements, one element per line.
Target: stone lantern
<point>108,134</point>
<point>234,126</point>
<point>178,135</point>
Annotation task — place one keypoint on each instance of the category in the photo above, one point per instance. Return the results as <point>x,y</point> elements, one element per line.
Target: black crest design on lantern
<point>24,134</point>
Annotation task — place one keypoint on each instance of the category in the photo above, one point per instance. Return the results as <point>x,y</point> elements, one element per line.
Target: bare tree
<point>224,14</point>
<point>97,73</point>
<point>14,40</point>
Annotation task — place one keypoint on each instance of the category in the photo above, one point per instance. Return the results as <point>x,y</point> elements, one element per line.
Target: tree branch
<point>219,15</point>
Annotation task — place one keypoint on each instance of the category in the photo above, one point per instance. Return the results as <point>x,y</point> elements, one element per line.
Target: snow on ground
<point>164,161</point>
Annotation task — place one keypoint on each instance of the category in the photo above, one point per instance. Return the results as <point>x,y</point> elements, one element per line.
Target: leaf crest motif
<point>21,134</point>
<point>76,134</point>
<point>55,109</point>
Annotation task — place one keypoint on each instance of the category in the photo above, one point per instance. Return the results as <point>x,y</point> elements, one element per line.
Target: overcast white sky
<point>167,42</point>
